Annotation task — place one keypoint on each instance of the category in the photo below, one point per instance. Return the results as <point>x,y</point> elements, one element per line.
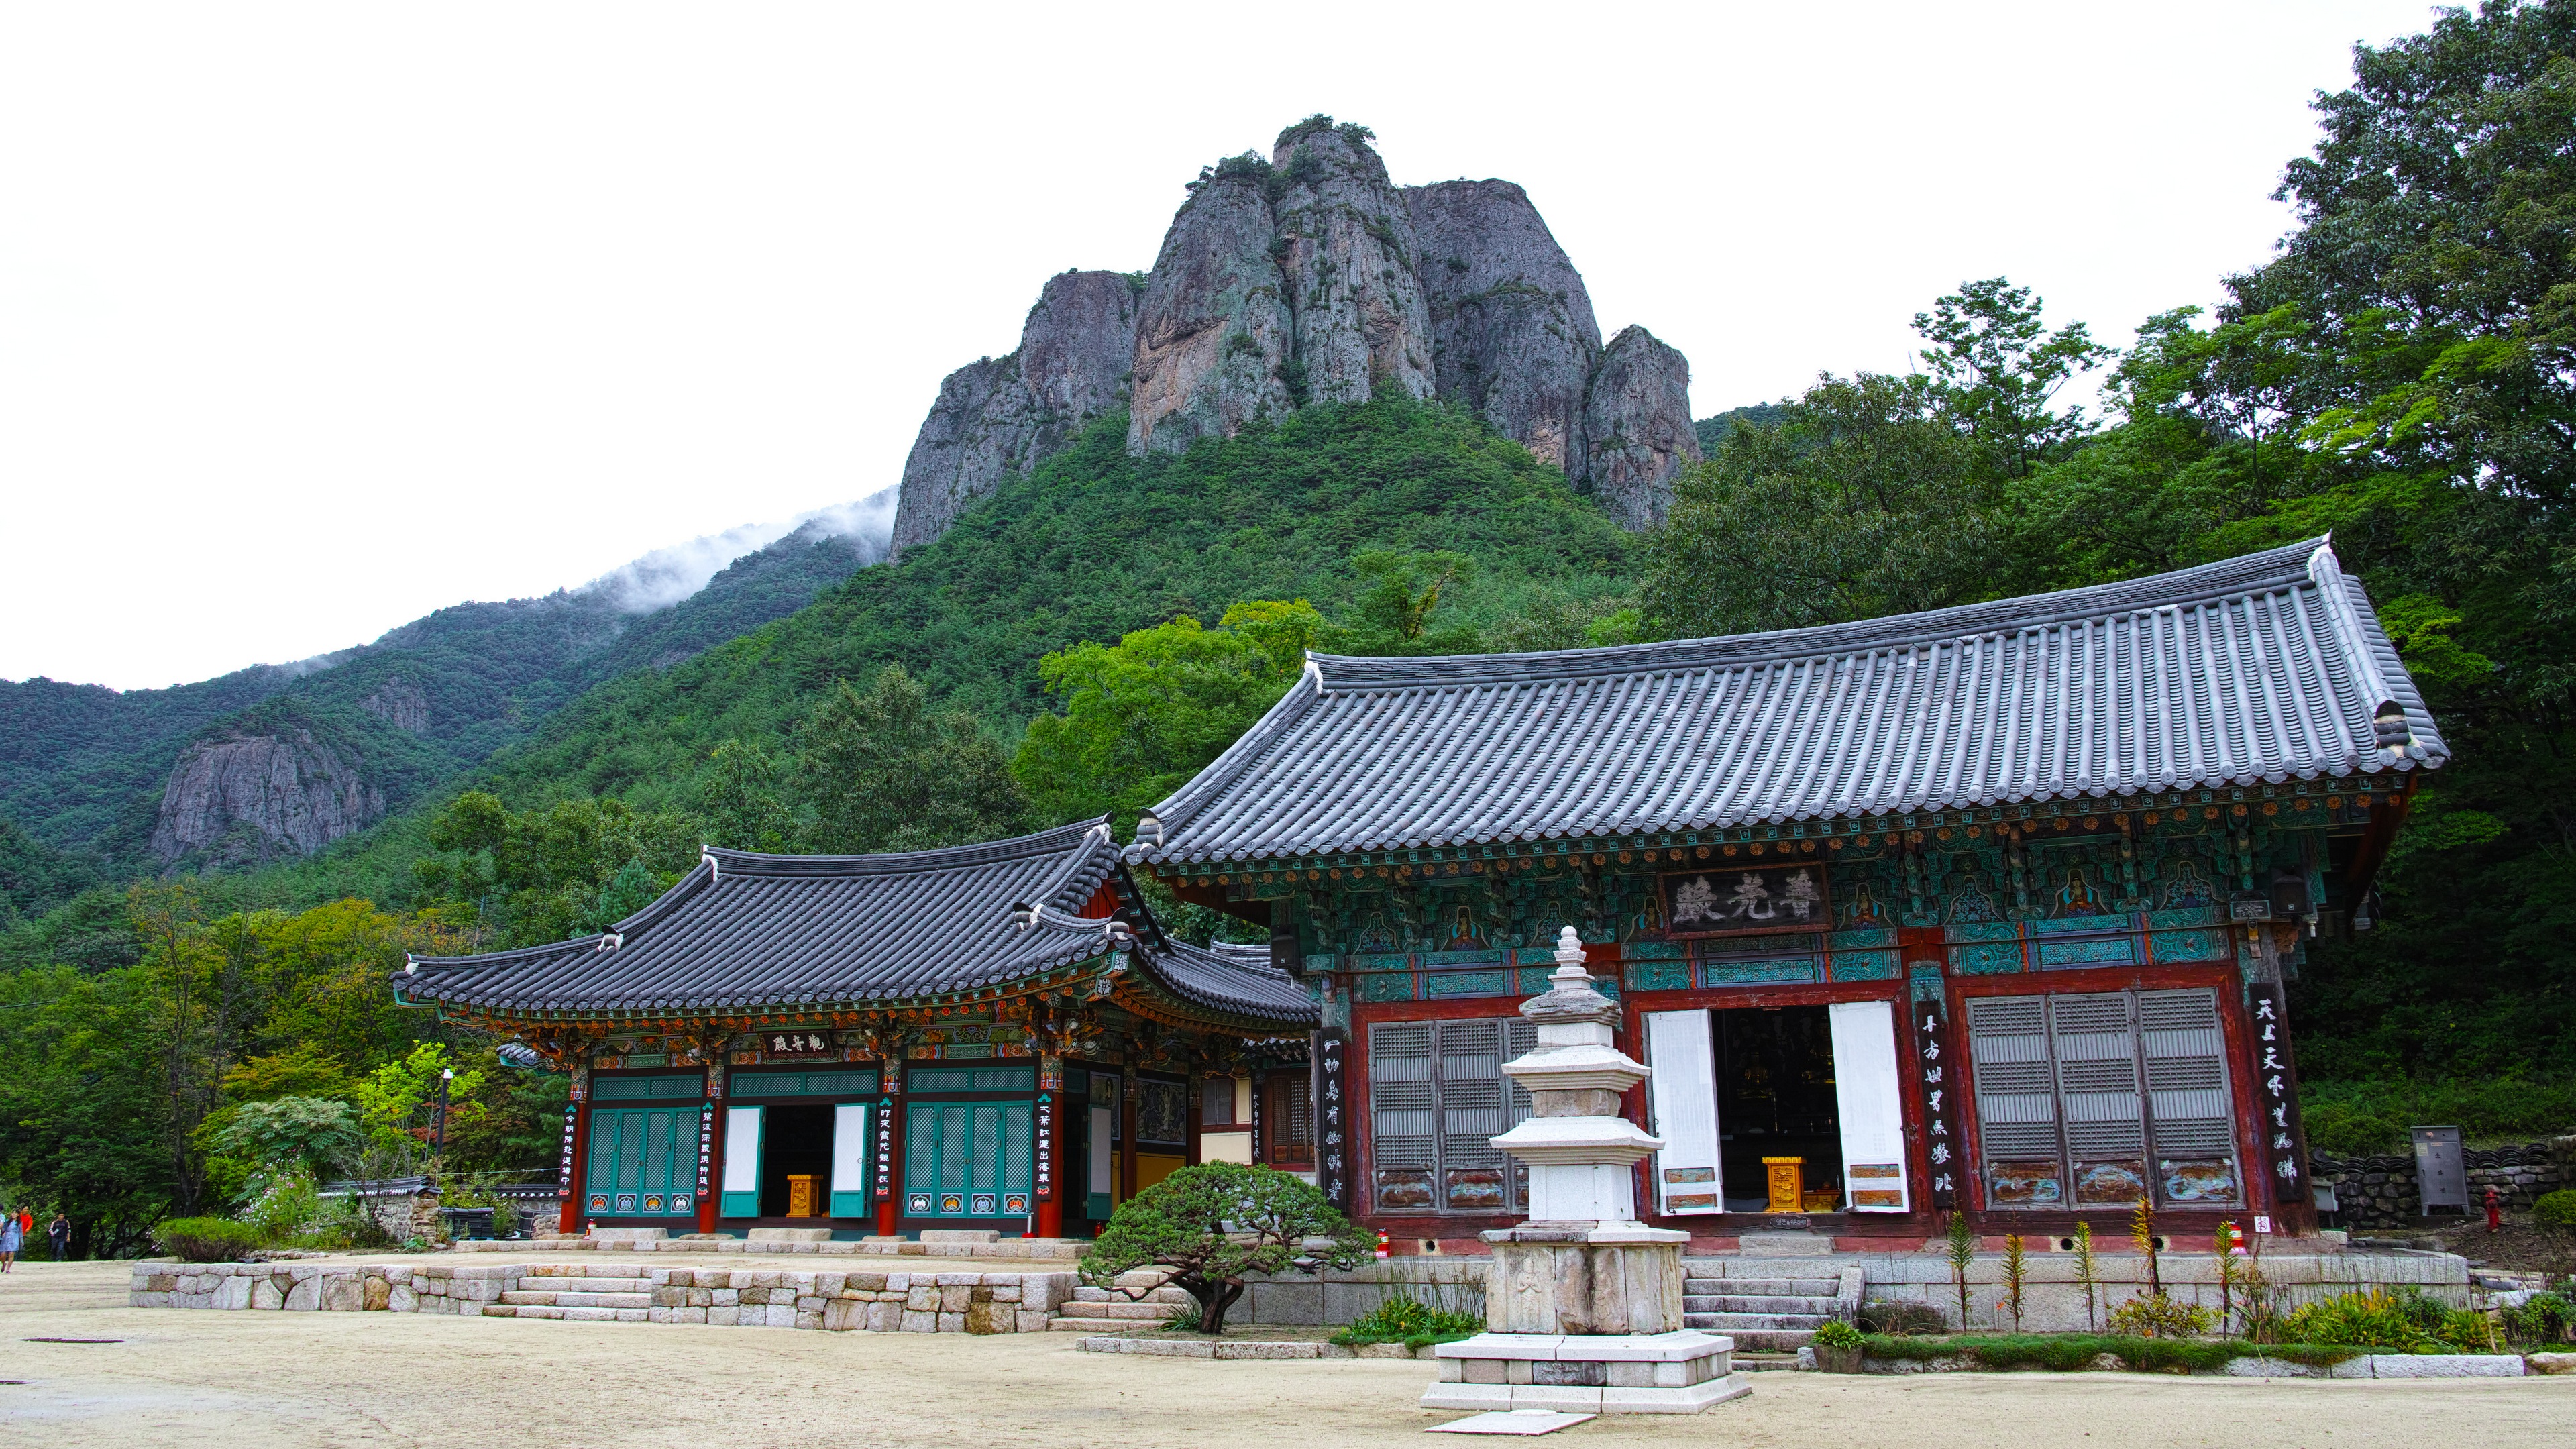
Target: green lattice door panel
<point>643,1162</point>
<point>969,1159</point>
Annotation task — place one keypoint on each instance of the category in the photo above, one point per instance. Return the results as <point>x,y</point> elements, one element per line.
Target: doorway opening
<point>1776,1099</point>
<point>797,1141</point>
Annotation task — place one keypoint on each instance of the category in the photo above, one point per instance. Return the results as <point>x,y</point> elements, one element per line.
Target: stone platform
<point>1682,1372</point>
<point>841,1301</point>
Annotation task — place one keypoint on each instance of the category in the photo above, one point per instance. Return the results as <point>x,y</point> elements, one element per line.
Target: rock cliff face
<point>400,703</point>
<point>1346,251</point>
<point>1311,278</point>
<point>1215,334</point>
<point>257,798</point>
<point>1511,324</point>
<point>1639,424</point>
<point>1003,414</point>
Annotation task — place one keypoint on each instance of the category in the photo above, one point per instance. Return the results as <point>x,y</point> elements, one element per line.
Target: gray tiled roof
<point>770,932</point>
<point>2260,668</point>
<point>1238,980</point>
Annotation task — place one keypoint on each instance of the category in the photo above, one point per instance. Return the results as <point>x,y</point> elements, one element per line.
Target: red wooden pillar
<point>890,1146</point>
<point>574,1176</point>
<point>711,1181</point>
<point>1051,1112</point>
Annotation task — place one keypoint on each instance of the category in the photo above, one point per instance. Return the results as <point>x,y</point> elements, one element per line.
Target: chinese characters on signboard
<point>1046,1147</point>
<point>1745,898</point>
<point>2276,1090</point>
<point>706,1145</point>
<point>1331,1171</point>
<point>572,1124</point>
<point>796,1045</point>
<point>885,1141</point>
<point>1937,1078</point>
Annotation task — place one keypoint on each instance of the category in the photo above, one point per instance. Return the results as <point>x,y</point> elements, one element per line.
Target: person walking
<point>11,1235</point>
<point>2495,1209</point>
<point>59,1234</point>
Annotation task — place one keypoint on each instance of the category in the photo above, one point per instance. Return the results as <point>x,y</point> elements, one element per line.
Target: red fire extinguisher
<point>1382,1248</point>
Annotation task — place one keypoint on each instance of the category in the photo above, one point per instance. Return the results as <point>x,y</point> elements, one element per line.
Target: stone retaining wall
<point>2053,1301</point>
<point>605,1292</point>
<point>2380,1191</point>
<point>1063,1250</point>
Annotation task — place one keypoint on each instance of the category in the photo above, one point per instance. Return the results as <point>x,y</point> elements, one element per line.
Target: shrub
<point>1409,1320</point>
<point>2544,1318</point>
<point>1184,1319</point>
<point>2073,1352</point>
<point>2466,1328</point>
<point>1834,1333</point>
<point>1900,1320</point>
<point>285,1208</point>
<point>2154,1315</point>
<point>206,1240</point>
<point>2556,1209</point>
<point>2372,1319</point>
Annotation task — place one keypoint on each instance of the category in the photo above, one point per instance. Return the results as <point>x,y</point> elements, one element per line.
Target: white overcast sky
<point>315,318</point>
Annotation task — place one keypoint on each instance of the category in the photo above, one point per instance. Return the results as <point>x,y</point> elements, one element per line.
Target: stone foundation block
<point>726,1317</point>
<point>266,1294</point>
<point>402,1299</point>
<point>951,1323</point>
<point>1033,1320</point>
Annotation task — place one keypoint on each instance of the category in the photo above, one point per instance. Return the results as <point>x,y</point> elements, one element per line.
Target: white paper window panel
<point>742,1149</point>
<point>1867,1099</point>
<point>850,1147</point>
<point>1684,1089</point>
<point>1102,1120</point>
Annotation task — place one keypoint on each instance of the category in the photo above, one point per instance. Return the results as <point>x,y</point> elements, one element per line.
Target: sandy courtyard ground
<point>196,1378</point>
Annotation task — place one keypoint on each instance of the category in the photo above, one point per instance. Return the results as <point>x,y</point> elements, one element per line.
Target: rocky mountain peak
<point>1310,277</point>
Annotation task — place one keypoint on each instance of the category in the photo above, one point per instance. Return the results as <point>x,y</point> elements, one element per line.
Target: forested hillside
<point>83,769</point>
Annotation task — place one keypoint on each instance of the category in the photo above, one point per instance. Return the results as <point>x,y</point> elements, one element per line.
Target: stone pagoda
<point>1583,1310</point>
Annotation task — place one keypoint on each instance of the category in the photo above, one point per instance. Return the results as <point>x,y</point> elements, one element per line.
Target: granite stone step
<point>1696,1284</point>
<point>1750,1340</point>
<point>1750,1303</point>
<point>1153,1312</point>
<point>550,1283</point>
<point>1094,1325</point>
<point>1751,1322</point>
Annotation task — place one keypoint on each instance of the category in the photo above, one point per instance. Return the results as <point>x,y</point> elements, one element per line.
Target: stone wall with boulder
<point>2380,1191</point>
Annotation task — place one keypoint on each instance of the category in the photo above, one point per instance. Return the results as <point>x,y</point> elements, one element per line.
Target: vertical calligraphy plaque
<point>2276,1095</point>
<point>1332,1162</point>
<point>1937,1084</point>
<point>572,1123</point>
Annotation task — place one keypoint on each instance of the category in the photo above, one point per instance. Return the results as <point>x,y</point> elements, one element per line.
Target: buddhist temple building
<point>1987,909</point>
<point>997,1036</point>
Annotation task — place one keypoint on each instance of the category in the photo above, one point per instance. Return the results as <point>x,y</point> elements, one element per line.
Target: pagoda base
<point>1682,1372</point>
<point>1586,1278</point>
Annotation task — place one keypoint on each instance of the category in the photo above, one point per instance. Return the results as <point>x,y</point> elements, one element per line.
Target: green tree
<point>740,801</point>
<point>1399,595</point>
<point>1143,715</point>
<point>1214,1223</point>
<point>1996,368</point>
<point>286,1135</point>
<point>883,771</point>
<point>1867,498</point>
<point>630,890</point>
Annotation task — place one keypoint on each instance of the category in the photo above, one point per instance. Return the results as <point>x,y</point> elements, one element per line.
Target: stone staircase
<point>1112,1310</point>
<point>581,1298</point>
<point>1773,1303</point>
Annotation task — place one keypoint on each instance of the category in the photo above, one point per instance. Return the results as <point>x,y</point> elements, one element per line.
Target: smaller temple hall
<point>994,1036</point>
